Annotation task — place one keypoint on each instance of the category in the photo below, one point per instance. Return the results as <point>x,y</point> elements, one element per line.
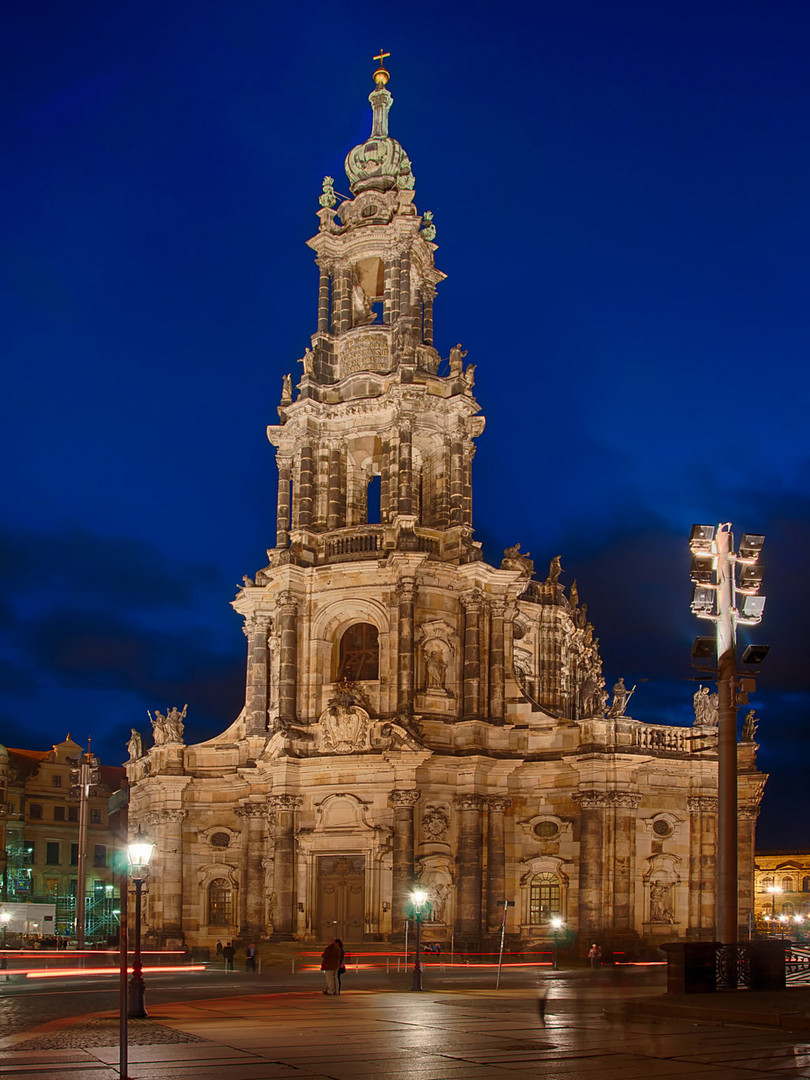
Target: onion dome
<point>380,163</point>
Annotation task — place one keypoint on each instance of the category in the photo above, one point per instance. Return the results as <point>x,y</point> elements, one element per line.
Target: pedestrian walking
<point>595,955</point>
<point>228,953</point>
<point>331,960</point>
<point>250,958</point>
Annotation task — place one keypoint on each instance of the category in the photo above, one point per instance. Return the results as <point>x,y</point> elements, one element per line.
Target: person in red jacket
<point>331,960</point>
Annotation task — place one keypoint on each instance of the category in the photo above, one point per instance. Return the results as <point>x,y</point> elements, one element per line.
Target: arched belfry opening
<point>373,501</point>
<point>358,654</point>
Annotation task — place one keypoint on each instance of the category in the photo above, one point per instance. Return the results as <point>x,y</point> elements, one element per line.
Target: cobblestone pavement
<point>557,1032</point>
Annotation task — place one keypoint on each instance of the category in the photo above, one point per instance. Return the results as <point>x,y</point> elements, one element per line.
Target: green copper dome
<point>380,163</point>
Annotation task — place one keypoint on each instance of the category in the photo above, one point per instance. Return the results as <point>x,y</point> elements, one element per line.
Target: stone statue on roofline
<point>457,355</point>
<point>514,559</point>
<point>169,728</point>
<point>135,745</point>
<point>554,570</point>
<point>328,198</point>
<point>749,728</point>
<point>707,707</point>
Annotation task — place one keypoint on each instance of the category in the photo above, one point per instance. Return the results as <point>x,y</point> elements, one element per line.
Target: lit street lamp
<point>418,901</point>
<point>556,925</point>
<point>139,852</point>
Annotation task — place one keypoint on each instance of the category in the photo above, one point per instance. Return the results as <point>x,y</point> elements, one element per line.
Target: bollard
<point>293,965</point>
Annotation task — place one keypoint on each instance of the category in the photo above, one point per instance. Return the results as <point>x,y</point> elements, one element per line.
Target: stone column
<point>591,859</point>
<point>405,500</point>
<point>345,300</point>
<point>256,629</point>
<point>406,604</point>
<point>306,486</point>
<point>472,654</point>
<point>468,861</point>
<point>288,656</point>
<point>466,489</point>
<point>403,803</point>
<point>167,826</point>
<point>323,301</point>
<point>283,505</point>
<point>385,482</point>
<point>427,335</point>
<point>702,811</point>
<point>284,869</point>
<point>496,862</point>
<point>335,517</point>
<point>497,691</point>
<point>747,816</point>
<point>625,804</point>
<point>456,481</point>
<point>251,893</point>
<point>405,286</point>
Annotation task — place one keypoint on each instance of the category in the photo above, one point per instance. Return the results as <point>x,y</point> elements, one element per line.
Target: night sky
<point>621,201</point>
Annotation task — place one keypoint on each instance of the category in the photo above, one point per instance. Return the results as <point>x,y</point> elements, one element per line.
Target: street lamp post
<point>418,900</point>
<point>773,890</point>
<point>726,587</point>
<point>5,918</point>
<point>139,852</point>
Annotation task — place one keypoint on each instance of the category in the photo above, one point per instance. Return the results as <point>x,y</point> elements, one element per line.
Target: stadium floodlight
<point>751,545</point>
<point>703,600</point>
<point>755,654</point>
<point>702,538</point>
<point>753,606</point>
<point>702,569</point>
<point>704,648</point>
<point>750,577</point>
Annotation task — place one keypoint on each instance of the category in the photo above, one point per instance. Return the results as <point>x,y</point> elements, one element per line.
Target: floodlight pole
<point>726,913</point>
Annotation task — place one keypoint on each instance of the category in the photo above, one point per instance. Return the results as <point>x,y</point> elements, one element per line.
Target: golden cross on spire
<point>381,76</point>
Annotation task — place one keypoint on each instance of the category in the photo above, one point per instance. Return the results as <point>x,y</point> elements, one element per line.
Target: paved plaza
<point>435,1035</point>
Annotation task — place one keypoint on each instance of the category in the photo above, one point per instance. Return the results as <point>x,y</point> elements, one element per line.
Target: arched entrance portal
<point>341,894</point>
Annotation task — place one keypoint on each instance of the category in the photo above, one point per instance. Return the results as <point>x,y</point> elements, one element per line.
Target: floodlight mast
<point>717,544</point>
<point>726,910</point>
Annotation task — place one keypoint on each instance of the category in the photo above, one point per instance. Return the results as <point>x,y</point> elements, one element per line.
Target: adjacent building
<point>414,714</point>
<point>40,838</point>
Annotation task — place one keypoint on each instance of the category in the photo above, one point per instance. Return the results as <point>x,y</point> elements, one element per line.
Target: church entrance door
<point>341,896</point>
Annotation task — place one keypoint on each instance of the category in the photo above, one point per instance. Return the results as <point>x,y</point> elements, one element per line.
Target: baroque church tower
<point>413,714</point>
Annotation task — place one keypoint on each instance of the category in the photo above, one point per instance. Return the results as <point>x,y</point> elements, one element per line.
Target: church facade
<point>415,716</point>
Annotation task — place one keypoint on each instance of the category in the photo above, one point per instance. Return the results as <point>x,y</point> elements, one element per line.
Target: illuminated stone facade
<point>413,713</point>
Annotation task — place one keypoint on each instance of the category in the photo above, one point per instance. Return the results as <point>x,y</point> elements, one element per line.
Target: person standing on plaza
<point>228,954</point>
<point>342,969</point>
<point>250,958</point>
<point>331,960</point>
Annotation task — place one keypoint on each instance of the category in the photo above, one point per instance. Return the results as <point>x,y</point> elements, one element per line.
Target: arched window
<point>544,898</point>
<point>359,656</point>
<point>765,884</point>
<point>806,884</point>
<point>220,903</point>
<point>787,884</point>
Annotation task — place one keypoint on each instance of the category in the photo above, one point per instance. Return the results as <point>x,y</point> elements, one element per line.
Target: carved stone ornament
<point>344,728</point>
<point>156,818</point>
<point>407,798</point>
<point>701,804</point>
<point>469,802</point>
<point>435,823</point>
<point>251,810</point>
<point>285,803</point>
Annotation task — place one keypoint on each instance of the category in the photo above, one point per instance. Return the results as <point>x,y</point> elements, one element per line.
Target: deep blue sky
<point>620,192</point>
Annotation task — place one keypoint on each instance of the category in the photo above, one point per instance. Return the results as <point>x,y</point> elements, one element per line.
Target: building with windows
<point>414,714</point>
<point>782,892</point>
<point>39,831</point>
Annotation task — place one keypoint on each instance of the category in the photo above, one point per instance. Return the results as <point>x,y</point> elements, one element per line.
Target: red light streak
<point>67,973</point>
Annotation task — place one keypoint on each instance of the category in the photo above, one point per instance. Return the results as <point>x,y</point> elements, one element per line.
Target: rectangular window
<point>74,854</point>
<point>99,855</point>
<point>59,813</point>
<point>35,811</point>
<point>73,813</point>
<point>56,780</point>
<point>95,817</point>
<point>52,852</point>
